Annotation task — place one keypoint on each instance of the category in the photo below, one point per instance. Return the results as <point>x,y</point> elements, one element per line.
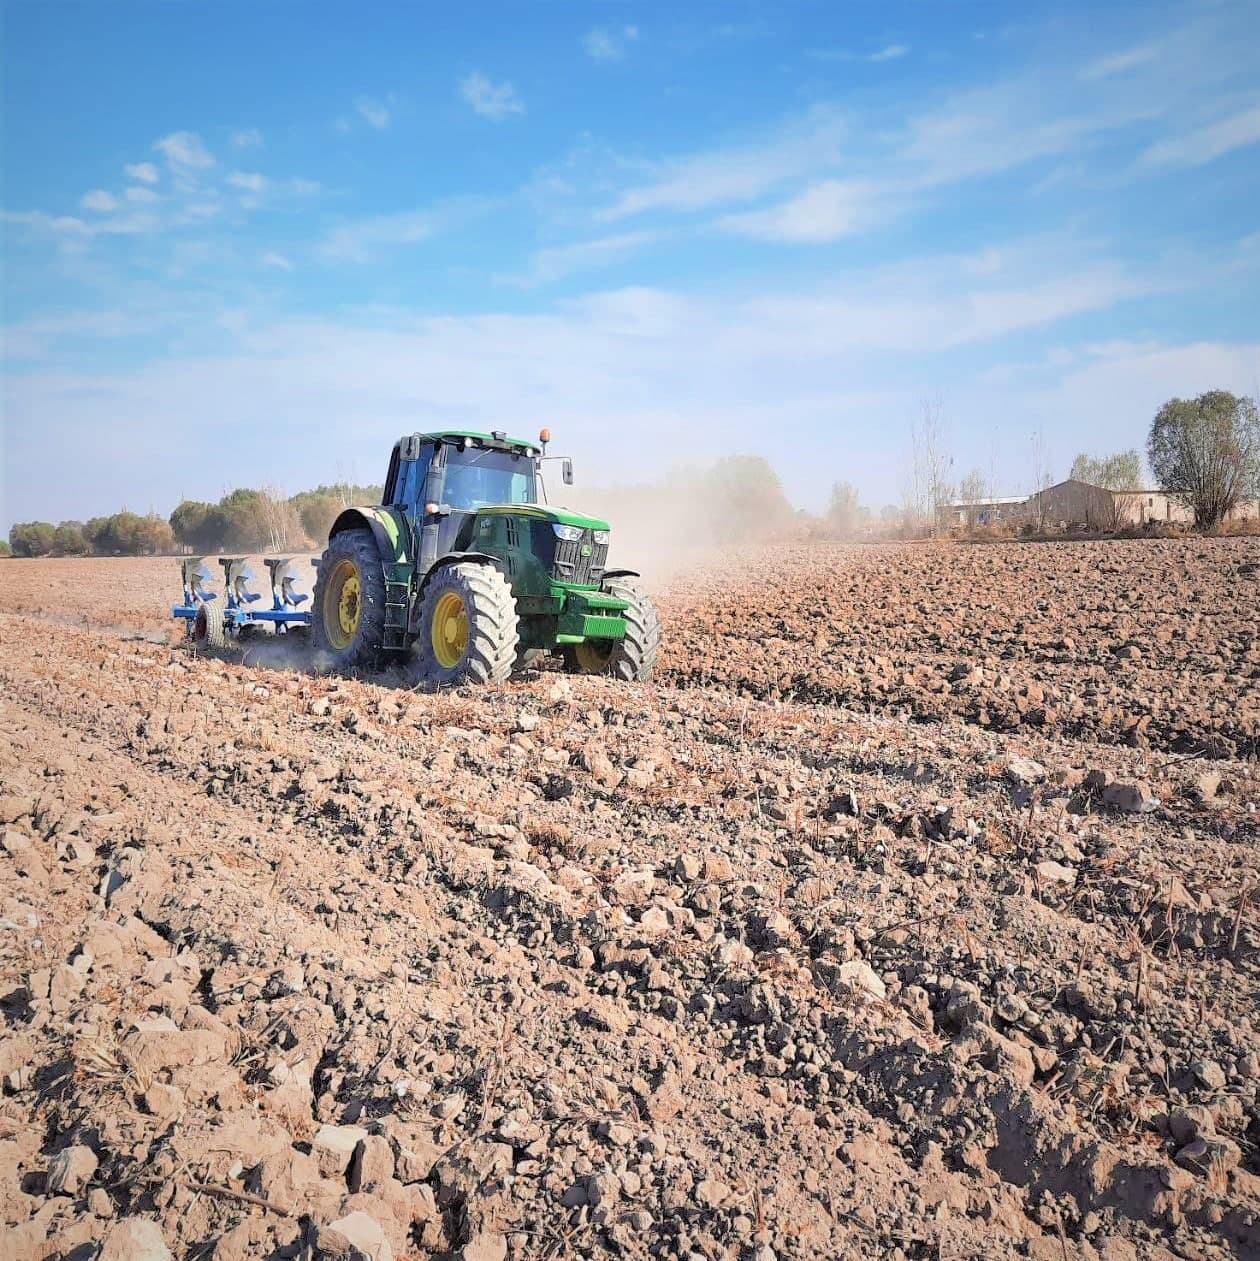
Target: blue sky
<point>249,244</point>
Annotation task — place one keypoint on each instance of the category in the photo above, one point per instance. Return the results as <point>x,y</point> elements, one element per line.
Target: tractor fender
<point>621,573</point>
<point>457,558</point>
<point>388,526</point>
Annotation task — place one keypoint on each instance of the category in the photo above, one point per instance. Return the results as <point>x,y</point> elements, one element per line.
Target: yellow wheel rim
<point>343,604</point>
<point>593,656</point>
<point>449,629</point>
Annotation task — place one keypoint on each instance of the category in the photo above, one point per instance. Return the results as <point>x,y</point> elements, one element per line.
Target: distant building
<point>966,513</point>
<point>1079,505</point>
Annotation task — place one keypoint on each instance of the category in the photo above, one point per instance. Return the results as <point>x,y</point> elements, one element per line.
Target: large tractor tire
<point>348,613</point>
<point>208,630</point>
<point>468,630</point>
<point>631,659</point>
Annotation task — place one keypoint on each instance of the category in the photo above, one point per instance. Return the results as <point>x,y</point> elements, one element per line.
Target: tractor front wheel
<point>631,659</point>
<point>348,617</point>
<point>469,629</point>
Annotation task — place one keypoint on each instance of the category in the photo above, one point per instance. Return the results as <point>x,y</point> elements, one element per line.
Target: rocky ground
<point>913,912</point>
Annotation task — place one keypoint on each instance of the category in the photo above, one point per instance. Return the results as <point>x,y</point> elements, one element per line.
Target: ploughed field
<point>913,911</point>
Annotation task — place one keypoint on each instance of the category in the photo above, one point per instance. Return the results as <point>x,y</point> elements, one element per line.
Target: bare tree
<point>1042,476</point>
<point>931,462</point>
<point>280,519</point>
<point>973,490</point>
<point>845,512</point>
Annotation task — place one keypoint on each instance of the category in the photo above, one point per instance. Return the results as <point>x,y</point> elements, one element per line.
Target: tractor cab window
<point>411,484</point>
<point>476,478</point>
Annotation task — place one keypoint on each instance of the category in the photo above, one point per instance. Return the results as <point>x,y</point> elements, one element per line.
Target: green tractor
<point>466,568</point>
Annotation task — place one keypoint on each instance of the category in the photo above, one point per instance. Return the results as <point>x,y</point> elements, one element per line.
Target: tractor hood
<point>546,512</point>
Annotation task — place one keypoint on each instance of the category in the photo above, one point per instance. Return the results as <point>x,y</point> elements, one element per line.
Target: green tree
<point>94,532</point>
<point>5,549</point>
<point>1206,452</point>
<point>200,527</point>
<point>69,539</point>
<point>1121,471</point>
<point>32,538</point>
<point>129,534</point>
<point>317,510</point>
<point>246,515</point>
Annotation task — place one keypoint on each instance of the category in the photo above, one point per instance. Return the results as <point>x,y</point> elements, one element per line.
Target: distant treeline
<point>243,520</point>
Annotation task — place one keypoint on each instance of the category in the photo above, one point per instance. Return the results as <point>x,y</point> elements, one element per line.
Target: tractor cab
<point>442,480</point>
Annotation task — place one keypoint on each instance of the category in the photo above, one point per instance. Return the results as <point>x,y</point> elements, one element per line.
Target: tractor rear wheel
<point>631,659</point>
<point>469,629</point>
<point>209,632</point>
<point>348,617</point>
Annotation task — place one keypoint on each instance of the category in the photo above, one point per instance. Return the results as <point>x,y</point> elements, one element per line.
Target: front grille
<point>570,565</point>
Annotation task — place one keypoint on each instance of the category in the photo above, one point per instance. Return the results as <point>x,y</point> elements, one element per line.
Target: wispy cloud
<point>1119,63</point>
<point>495,101</point>
<point>605,43</point>
<point>247,138</point>
<point>250,182</point>
<point>825,211</point>
<point>139,193</point>
<point>890,52</point>
<point>184,151</point>
<point>145,172</point>
<point>377,114</point>
<point>71,233</point>
<point>1206,144</point>
<point>738,173</point>
<point>556,262</point>
<point>360,240</point>
<point>278,261</point>
<point>98,199</point>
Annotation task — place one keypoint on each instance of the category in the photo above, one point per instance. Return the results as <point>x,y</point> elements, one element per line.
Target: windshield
<point>475,479</point>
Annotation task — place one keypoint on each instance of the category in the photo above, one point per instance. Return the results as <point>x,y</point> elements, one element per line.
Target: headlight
<point>569,533</point>
<point>602,536</point>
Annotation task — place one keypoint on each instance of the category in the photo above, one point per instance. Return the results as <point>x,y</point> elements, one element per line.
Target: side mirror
<point>410,447</point>
<point>566,472</point>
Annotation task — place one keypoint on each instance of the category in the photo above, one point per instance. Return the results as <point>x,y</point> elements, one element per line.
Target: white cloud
<point>607,44</point>
<point>184,151</point>
<point>1205,144</point>
<point>738,173</point>
<point>38,221</point>
<point>825,211</point>
<point>1119,63</point>
<point>199,211</point>
<point>145,172</point>
<point>375,113</point>
<point>495,101</point>
<point>99,200</point>
<point>360,239</point>
<point>890,53</point>
<point>556,262</point>
<point>276,260</point>
<point>71,233</point>
<point>247,138</point>
<point>250,182</point>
